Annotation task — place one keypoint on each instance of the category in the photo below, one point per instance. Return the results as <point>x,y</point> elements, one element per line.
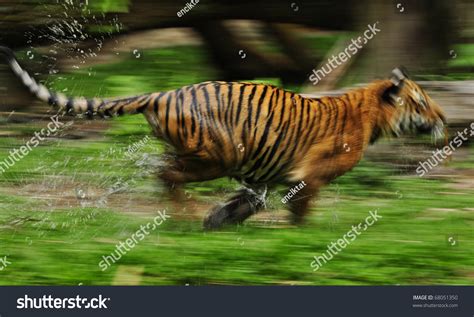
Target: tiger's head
<point>409,110</point>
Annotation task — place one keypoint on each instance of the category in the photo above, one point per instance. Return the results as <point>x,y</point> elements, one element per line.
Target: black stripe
<point>300,125</point>
<point>176,106</point>
<point>271,171</point>
<point>167,116</point>
<point>249,118</point>
<point>307,106</point>
<point>284,131</point>
<point>264,137</point>
<point>177,109</point>
<point>272,152</point>
<point>52,99</point>
<point>298,132</point>
<point>70,104</point>
<point>193,104</point>
<point>143,104</point>
<point>208,114</point>
<point>90,108</point>
<point>208,106</point>
<point>250,108</point>
<point>336,115</point>
<point>229,129</point>
<point>277,173</point>
<point>285,128</point>
<point>201,127</point>
<point>183,121</point>
<point>291,126</point>
<point>328,121</point>
<point>256,167</point>
<point>318,114</point>
<point>239,104</point>
<point>343,125</point>
<point>309,127</point>
<point>260,104</point>
<point>228,105</point>
<point>156,103</point>
<point>228,118</point>
<point>210,128</point>
<point>107,112</point>
<point>122,104</point>
<point>217,94</point>
<point>282,114</point>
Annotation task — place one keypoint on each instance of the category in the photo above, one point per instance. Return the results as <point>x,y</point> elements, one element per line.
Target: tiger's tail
<point>76,105</point>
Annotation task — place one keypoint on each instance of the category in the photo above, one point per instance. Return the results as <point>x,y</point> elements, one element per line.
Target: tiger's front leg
<point>241,206</point>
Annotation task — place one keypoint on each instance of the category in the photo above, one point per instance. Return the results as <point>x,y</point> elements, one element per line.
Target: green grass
<point>409,245</point>
<point>53,236</point>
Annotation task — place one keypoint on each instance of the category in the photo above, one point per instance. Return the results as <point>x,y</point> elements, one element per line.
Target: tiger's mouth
<point>437,130</point>
<point>418,125</point>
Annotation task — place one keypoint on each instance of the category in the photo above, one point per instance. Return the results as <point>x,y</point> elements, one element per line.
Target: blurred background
<point>74,197</point>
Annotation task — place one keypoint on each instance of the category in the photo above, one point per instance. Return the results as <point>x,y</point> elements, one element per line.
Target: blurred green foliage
<point>106,6</point>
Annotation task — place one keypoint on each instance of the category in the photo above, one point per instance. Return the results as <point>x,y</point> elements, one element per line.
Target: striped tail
<point>76,105</point>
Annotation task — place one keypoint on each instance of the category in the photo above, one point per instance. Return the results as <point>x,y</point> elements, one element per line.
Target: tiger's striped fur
<point>263,135</point>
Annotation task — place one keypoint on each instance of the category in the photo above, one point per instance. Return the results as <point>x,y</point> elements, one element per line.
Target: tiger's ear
<point>398,76</point>
<point>390,95</point>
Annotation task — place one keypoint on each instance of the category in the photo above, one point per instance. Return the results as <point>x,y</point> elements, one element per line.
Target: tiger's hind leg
<point>241,206</point>
<point>184,169</point>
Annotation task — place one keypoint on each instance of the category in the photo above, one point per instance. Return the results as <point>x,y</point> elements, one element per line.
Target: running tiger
<point>262,135</point>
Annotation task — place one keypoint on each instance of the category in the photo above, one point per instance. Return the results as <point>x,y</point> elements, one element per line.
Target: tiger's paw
<point>216,218</point>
